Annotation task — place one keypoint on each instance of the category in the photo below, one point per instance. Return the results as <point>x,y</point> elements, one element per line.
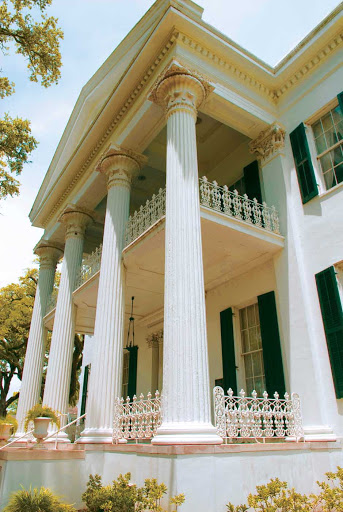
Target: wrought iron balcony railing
<point>239,417</point>
<point>212,196</point>
<point>136,420</point>
<point>236,417</point>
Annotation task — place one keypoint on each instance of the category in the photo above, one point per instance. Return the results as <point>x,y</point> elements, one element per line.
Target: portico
<point>178,188</point>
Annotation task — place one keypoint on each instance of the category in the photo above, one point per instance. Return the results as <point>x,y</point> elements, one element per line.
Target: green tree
<point>38,42</point>
<point>16,305</point>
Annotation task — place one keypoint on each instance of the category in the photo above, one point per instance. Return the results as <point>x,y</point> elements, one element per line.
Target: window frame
<point>238,344</point>
<point>323,190</point>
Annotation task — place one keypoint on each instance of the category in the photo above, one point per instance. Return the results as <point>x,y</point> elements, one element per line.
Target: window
<point>126,363</point>
<point>251,349</point>
<point>328,136</point>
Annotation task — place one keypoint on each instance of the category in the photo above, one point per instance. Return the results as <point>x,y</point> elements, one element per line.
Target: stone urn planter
<point>41,428</point>
<point>5,431</point>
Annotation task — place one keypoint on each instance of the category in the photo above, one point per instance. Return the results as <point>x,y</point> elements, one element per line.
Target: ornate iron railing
<point>90,266</point>
<point>232,204</point>
<point>137,420</point>
<point>212,196</point>
<point>253,417</point>
<point>153,210</point>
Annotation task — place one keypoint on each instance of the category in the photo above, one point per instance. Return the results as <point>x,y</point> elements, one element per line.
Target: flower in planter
<point>41,411</point>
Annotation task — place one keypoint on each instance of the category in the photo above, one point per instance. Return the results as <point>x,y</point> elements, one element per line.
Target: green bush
<point>276,497</point>
<point>38,500</point>
<point>122,496</point>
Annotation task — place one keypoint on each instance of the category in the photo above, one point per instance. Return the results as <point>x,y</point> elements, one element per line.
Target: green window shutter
<point>252,181</point>
<point>228,351</point>
<point>331,308</point>
<point>272,356</point>
<point>340,100</point>
<point>84,390</point>
<point>303,163</point>
<point>132,383</point>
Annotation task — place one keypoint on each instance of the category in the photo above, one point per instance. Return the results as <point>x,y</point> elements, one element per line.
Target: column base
<point>186,433</point>
<point>97,436</point>
<point>319,433</point>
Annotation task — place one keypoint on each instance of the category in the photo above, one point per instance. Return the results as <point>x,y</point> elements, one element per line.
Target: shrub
<point>276,497</point>
<point>122,496</point>
<point>38,500</point>
<point>41,411</point>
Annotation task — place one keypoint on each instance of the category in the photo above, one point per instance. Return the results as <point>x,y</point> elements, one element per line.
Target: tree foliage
<point>38,42</point>
<point>16,305</point>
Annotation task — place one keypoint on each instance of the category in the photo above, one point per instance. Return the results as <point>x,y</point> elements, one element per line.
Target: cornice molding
<point>273,95</point>
<point>121,112</point>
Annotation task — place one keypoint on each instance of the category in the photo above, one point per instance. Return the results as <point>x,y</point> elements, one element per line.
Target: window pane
<point>256,363</point>
<point>248,366</point>
<point>260,385</point>
<point>245,341</point>
<point>251,316</point>
<point>249,386</point>
<point>317,129</point>
<point>254,341</point>
<point>326,162</point>
<point>327,122</point>
<point>321,144</point>
<point>331,137</point>
<point>330,180</point>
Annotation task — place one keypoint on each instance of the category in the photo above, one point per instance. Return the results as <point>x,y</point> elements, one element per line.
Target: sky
<point>92,30</point>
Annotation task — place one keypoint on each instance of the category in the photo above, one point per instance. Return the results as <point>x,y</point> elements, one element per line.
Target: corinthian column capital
<point>178,88</point>
<point>120,165</point>
<point>76,219</point>
<point>49,253</point>
<point>268,143</point>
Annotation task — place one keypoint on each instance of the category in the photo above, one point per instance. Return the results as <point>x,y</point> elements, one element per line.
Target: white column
<point>57,384</point>
<point>107,366</point>
<point>305,358</point>
<point>186,389</point>
<point>32,374</point>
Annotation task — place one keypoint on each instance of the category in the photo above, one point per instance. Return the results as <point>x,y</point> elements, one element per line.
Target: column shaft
<point>106,373</point>
<point>33,367</point>
<point>186,417</point>
<point>107,366</point>
<point>57,385</point>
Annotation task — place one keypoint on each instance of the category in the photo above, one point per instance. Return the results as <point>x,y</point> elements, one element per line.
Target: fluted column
<point>107,366</point>
<point>186,390</point>
<point>30,387</point>
<point>57,384</point>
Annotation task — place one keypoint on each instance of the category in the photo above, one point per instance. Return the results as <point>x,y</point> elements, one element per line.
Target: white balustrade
<point>90,266</point>
<point>138,419</point>
<point>240,207</point>
<point>253,417</point>
<point>153,210</point>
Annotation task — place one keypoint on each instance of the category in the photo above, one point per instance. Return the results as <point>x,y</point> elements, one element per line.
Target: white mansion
<point>208,186</point>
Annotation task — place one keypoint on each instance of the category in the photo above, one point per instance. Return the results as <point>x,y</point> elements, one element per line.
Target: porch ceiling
<point>230,247</point>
